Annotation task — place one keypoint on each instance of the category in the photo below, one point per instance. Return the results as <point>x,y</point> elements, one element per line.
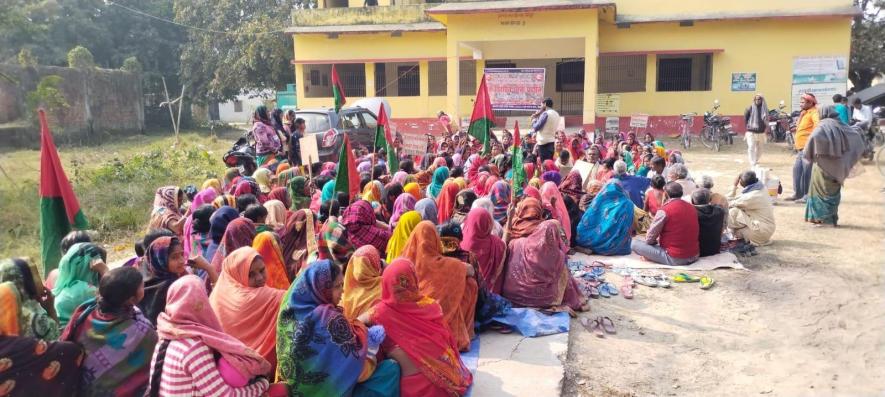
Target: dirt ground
<point>806,319</point>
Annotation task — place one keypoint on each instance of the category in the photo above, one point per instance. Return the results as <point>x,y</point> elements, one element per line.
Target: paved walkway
<point>513,365</point>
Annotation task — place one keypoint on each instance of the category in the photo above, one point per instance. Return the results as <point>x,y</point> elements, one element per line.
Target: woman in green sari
<point>78,275</point>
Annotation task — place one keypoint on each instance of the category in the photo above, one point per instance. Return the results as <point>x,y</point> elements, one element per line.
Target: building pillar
<point>480,71</point>
<point>651,72</point>
<point>591,59</point>
<point>299,84</point>
<point>453,80</point>
<point>424,79</point>
<point>370,80</point>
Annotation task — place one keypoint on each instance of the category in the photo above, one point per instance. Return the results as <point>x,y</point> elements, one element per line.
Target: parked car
<point>358,123</point>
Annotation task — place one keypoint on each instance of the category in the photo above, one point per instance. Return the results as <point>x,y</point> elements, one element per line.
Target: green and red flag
<point>348,179</point>
<point>519,177</point>
<point>383,139</point>
<point>481,120</point>
<point>59,210</point>
<point>337,91</point>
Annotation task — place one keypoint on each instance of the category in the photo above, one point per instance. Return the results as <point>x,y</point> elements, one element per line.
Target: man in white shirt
<point>863,114</point>
<point>544,124</point>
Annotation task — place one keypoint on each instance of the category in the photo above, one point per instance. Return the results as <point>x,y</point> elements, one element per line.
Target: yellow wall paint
<point>677,7</point>
<point>418,45</point>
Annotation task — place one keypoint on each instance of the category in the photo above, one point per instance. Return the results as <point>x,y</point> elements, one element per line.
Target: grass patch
<point>114,182</point>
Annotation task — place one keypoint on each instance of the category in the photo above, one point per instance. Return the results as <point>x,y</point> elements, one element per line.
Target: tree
<point>26,59</point>
<point>47,95</point>
<point>867,43</point>
<point>241,46</point>
<point>81,58</point>
<point>132,65</point>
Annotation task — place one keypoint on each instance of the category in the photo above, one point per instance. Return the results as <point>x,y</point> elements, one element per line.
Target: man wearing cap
<point>808,121</point>
<point>544,124</point>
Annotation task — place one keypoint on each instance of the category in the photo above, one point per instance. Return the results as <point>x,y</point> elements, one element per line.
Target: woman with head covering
<point>605,226</point>
<point>31,366</point>
<point>554,203</point>
<point>267,142</point>
<point>552,176</point>
<point>533,192</point>
<point>298,193</point>
<point>200,227</point>
<point>463,203</point>
<point>332,243</point>
<point>404,203</point>
<point>280,193</point>
<point>537,275</point>
<point>448,280</point>
<point>424,346</point>
<point>167,204</point>
<point>428,210</point>
<point>191,338</point>
<point>204,197</point>
<point>239,233</point>
<point>500,196</point>
<point>230,175</point>
<point>488,249</point>
<point>284,177</point>
<point>165,263</point>
<point>446,202</point>
<point>362,282</point>
<point>400,177</point>
<point>487,205</point>
<point>439,178</point>
<point>247,185</point>
<point>37,313</point>
<point>372,192</point>
<point>535,182</point>
<point>268,246</point>
<point>262,178</point>
<point>246,307</point>
<point>213,183</point>
<point>117,338</point>
<point>401,234</point>
<point>217,225</point>
<point>224,200</point>
<point>572,186</point>
<point>320,351</point>
<point>488,185</point>
<point>414,189</point>
<point>389,195</point>
<point>529,214</point>
<point>276,214</point>
<point>298,242</point>
<point>592,188</point>
<point>362,227</point>
<point>78,274</point>
<point>833,148</point>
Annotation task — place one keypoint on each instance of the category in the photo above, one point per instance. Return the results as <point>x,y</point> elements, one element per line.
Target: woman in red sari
<point>488,249</point>
<point>417,336</point>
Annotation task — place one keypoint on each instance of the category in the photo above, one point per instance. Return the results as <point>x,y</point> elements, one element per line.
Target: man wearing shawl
<point>415,325</point>
<point>246,307</point>
<point>756,118</point>
<point>833,149</point>
<point>750,212</point>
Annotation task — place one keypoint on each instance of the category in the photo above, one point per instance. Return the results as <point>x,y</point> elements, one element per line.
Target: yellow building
<point>656,57</point>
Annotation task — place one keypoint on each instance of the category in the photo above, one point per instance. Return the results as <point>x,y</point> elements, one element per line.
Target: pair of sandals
<point>705,281</point>
<point>656,281</point>
<point>599,326</point>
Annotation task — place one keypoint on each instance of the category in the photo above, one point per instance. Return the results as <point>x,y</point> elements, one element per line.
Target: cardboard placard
<point>309,149</point>
<point>639,121</point>
<point>414,144</point>
<point>583,168</point>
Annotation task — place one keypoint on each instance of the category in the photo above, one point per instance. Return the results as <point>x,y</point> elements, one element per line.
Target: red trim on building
<point>670,126</point>
<point>372,60</point>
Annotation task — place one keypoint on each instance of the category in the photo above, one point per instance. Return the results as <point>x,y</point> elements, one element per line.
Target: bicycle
<point>687,122</point>
<point>880,160</point>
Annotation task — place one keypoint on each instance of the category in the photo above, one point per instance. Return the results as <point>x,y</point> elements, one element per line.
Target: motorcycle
<point>778,124</point>
<point>716,129</point>
<point>242,155</point>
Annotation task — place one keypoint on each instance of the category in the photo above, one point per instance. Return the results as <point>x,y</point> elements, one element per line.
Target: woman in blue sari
<point>605,226</point>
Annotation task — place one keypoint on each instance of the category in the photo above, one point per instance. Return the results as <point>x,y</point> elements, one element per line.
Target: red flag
<point>337,90</point>
<point>481,121</point>
<point>516,139</point>
<point>59,209</point>
<point>348,179</point>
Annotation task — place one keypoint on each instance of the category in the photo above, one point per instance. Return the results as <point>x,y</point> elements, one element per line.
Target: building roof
<point>476,7</point>
<point>379,28</point>
<point>871,94</point>
<point>846,11</point>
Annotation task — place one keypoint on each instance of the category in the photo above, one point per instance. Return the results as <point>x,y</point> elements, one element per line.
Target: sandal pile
<point>599,326</point>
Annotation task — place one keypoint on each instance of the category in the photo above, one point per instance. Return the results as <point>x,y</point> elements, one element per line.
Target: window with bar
<point>317,80</point>
<point>621,73</point>
<point>397,79</point>
<point>688,72</point>
<point>467,77</point>
<point>437,76</point>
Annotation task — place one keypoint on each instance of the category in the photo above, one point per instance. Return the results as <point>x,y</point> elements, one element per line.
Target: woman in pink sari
<point>488,249</point>
<point>537,275</point>
<point>553,202</point>
<point>205,196</point>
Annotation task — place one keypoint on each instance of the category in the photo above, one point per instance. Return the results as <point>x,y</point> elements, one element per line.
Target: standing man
<point>756,118</point>
<point>841,104</point>
<point>808,121</point>
<point>544,124</point>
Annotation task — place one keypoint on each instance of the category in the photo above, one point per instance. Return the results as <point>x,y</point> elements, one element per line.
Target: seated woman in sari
<point>450,281</point>
<point>276,214</point>
<point>239,233</point>
<point>605,226</point>
<point>363,228</point>
<point>404,203</point>
<point>446,202</point>
<point>245,306</point>
<point>31,366</point>
<point>554,203</point>
<point>537,275</point>
<point>78,275</point>
<point>528,216</point>
<point>489,249</point>
<point>401,234</point>
<point>332,243</point>
<point>190,339</point>
<point>268,246</point>
<point>463,204</point>
<point>167,204</point>
<point>37,311</point>
<point>362,282</point>
<point>418,337</point>
<point>322,353</point>
<point>197,213</point>
<point>298,241</point>
<point>217,225</point>
<point>428,210</point>
<point>486,204</point>
<point>298,193</point>
<point>117,338</point>
<point>166,263</point>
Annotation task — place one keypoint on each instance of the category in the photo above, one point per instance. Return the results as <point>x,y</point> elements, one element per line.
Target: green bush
<point>26,59</point>
<point>80,57</point>
<point>47,95</point>
<point>132,65</point>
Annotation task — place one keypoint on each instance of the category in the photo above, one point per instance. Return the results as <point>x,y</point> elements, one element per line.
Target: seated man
<point>672,238</point>
<point>715,198</point>
<point>750,212</point>
<point>710,220</point>
<point>679,173</point>
<point>635,186</point>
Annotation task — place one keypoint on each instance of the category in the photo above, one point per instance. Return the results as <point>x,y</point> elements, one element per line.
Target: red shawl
<point>488,249</point>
